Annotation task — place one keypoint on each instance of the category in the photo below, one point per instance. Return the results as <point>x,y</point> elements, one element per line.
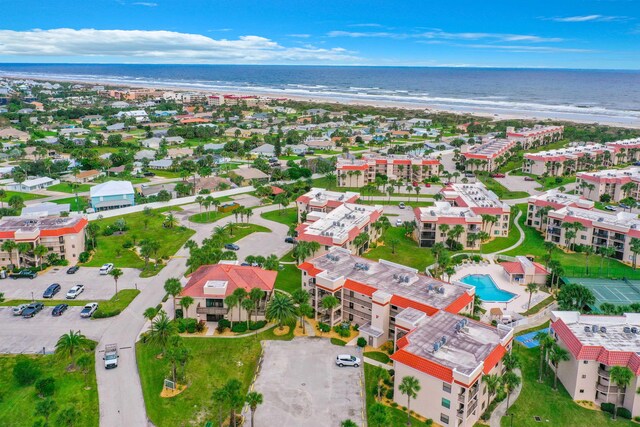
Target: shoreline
<point>495,114</point>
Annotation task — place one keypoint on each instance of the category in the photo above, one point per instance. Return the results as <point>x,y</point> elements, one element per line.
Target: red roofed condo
<point>360,172</point>
<point>539,206</point>
<point>320,200</point>
<point>64,236</point>
<point>535,136</point>
<point>596,344</point>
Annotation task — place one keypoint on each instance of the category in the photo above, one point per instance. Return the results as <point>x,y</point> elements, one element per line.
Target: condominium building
<point>321,200</point>
<point>566,161</point>
<point>487,156</point>
<point>535,136</point>
<point>64,236</point>
<point>430,219</point>
<point>614,182</point>
<point>626,150</point>
<point>341,226</point>
<point>552,200</point>
<point>360,172</point>
<point>448,353</point>
<point>595,345</point>
<point>600,229</point>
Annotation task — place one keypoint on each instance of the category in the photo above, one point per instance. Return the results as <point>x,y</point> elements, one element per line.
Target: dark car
<point>528,178</point>
<point>290,240</point>
<point>498,175</point>
<point>32,309</point>
<point>623,206</point>
<point>59,309</point>
<point>149,174</point>
<point>24,274</point>
<point>51,290</point>
<point>232,247</point>
<point>72,270</point>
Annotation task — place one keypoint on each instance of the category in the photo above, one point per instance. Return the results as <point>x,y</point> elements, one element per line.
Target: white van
<point>106,269</point>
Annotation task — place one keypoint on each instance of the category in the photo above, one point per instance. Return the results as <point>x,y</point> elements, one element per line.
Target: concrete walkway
<point>501,409</point>
<point>520,240</point>
<point>376,363</point>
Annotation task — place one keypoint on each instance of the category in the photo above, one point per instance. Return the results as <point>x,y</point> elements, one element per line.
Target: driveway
<point>517,183</point>
<point>302,386</point>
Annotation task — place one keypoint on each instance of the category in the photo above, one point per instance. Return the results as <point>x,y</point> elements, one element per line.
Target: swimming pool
<point>487,289</point>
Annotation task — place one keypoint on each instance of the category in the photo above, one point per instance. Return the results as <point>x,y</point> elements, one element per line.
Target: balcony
<point>212,310</point>
<point>472,407</point>
<point>461,397</point>
<point>603,388</point>
<point>603,373</point>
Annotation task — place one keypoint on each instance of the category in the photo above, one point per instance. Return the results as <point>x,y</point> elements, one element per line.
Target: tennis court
<point>617,292</point>
<point>529,340</point>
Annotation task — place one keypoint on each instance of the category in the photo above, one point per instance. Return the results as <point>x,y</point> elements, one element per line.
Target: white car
<point>106,269</point>
<point>398,222</point>
<point>89,309</point>
<point>18,309</point>
<point>75,291</point>
<point>347,360</point>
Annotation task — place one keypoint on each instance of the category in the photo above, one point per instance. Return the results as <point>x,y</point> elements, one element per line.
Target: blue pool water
<point>486,288</point>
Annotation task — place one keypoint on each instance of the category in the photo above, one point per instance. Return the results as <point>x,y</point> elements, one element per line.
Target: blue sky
<point>541,33</point>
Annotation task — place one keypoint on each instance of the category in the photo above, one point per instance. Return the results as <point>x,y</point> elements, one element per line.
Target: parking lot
<point>96,287</point>
<point>302,385</point>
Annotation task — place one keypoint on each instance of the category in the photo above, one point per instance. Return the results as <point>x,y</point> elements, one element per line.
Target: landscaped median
<point>106,308</point>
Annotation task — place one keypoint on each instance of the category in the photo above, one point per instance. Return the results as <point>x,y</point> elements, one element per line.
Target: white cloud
<point>443,35</point>
<point>532,49</point>
<point>589,18</point>
<point>300,36</point>
<point>158,47</point>
<point>144,3</point>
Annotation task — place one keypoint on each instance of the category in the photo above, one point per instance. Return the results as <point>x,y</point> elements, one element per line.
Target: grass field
<point>65,187</point>
<point>500,190</point>
<point>241,230</point>
<point>18,403</point>
<point>397,416</point>
<point>377,355</point>
<point>553,182</point>
<point>289,278</point>
<point>25,196</point>
<point>165,173</point>
<point>333,185</point>
<point>406,251</point>
<point>110,247</point>
<point>500,243</point>
<point>131,179</point>
<point>80,204</point>
<point>556,408</point>
<point>287,216</point>
<point>214,361</point>
<point>207,218</point>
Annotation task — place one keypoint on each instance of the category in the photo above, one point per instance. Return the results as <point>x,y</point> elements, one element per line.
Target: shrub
<point>239,327</point>
<point>181,326</point>
<point>128,244</point>
<point>254,326</point>
<point>200,326</point>
<point>623,413</point>
<point>388,383</point>
<point>179,313</point>
<point>636,419</point>
<point>344,333</point>
<point>45,386</point>
<point>392,373</point>
<point>362,342</point>
<point>102,314</point>
<point>356,327</point>
<point>394,404</point>
<point>323,327</point>
<point>389,394</point>
<point>224,323</point>
<point>607,407</point>
<point>26,370</point>
<point>165,298</point>
<point>339,342</point>
<point>158,307</point>
<point>83,257</point>
<point>429,422</point>
<point>191,325</point>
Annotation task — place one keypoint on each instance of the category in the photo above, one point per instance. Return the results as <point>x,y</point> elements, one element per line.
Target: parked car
<point>50,292</point>
<point>149,174</point>
<point>24,274</point>
<point>498,175</point>
<point>59,309</point>
<point>290,240</point>
<point>110,356</point>
<point>19,309</point>
<point>401,205</point>
<point>89,309</point>
<point>623,206</point>
<point>528,178</point>
<point>398,222</point>
<point>610,208</point>
<point>232,247</point>
<point>72,270</point>
<point>427,184</point>
<point>75,291</point>
<point>106,269</point>
<point>32,309</point>
<point>347,360</point>
<point>469,174</point>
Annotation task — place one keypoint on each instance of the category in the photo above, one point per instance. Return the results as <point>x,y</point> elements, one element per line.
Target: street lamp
<point>511,415</point>
<point>32,298</point>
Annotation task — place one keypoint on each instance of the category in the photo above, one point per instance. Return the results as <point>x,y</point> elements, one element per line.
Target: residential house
<point>85,176</point>
<point>32,184</point>
<point>112,195</point>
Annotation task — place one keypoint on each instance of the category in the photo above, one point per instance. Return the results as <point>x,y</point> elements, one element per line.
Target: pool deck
<point>517,304</point>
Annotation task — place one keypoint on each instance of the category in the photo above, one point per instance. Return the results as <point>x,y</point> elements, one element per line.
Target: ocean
<point>581,95</point>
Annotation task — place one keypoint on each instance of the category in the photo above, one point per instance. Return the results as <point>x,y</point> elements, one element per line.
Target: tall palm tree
<point>410,386</point>
<point>281,309</point>
<point>150,313</point>
<point>253,399</point>
<point>9,246</point>
<point>231,301</point>
<point>510,381</point>
<point>186,302</point>
<point>492,382</point>
<point>532,288</point>
<point>557,354</point>
<point>40,251</point>
<point>621,376</point>
<point>248,306</point>
<point>231,393</point>
<point>173,287</point>
<point>70,343</point>
<point>256,295</point>
<point>300,297</point>
<point>328,303</point>
<point>22,248</point>
<point>545,342</point>
<point>162,329</point>
<point>510,361</point>
<point>116,273</point>
<point>241,294</point>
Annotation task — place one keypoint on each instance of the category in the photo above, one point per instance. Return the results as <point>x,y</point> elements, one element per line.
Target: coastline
<point>493,113</point>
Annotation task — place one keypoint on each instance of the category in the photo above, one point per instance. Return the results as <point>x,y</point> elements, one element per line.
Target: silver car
<point>347,360</point>
<point>75,291</point>
<point>17,310</point>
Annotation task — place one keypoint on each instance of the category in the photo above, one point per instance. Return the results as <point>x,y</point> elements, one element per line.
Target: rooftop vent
<point>587,328</point>
<point>603,329</point>
<point>634,330</point>
<point>626,330</point>
<point>594,328</point>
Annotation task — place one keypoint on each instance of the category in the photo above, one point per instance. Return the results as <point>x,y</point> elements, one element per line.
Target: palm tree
<point>281,309</point>
<point>22,249</point>
<point>532,288</point>
<point>173,287</point>
<point>492,382</point>
<point>69,343</point>
<point>588,251</point>
<point>545,342</point>
<point>241,294</point>
<point>233,397</point>
<point>9,246</point>
<point>510,361</point>
<point>186,302</point>
<point>253,399</point>
<point>162,329</point>
<point>84,362</point>
<point>256,295</point>
<point>248,306</point>
<point>150,313</point>
<point>40,251</point>
<point>621,376</point>
<point>231,301</point>
<point>300,297</point>
<point>557,354</point>
<point>510,381</point>
<point>328,303</point>
<point>116,273</point>
<point>410,386</point>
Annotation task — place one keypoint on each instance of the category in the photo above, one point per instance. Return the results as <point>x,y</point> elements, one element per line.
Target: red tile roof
<point>237,276</point>
<point>310,269</point>
<point>405,302</point>
<point>359,287</point>
<point>423,365</point>
<point>493,358</point>
<point>456,306</point>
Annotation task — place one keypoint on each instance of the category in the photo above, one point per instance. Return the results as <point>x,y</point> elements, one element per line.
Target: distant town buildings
<point>535,136</point>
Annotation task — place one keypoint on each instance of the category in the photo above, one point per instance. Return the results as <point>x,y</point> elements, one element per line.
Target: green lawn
<point>573,263</point>
<point>407,251</point>
<point>289,278</point>
<point>132,179</point>
<point>18,403</point>
<point>377,355</point>
<point>110,247</point>
<point>213,362</point>
<point>165,173</point>
<point>556,408</point>
<point>500,243</point>
<point>208,217</point>
<point>553,182</point>
<point>25,196</point>
<point>82,203</point>
<point>65,187</point>
<point>241,230</point>
<point>397,415</point>
<point>409,203</point>
<point>287,216</point>
<point>500,190</point>
<point>323,182</point>
<point>536,308</point>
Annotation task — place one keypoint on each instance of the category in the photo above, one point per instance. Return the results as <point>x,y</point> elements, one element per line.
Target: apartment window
<point>483,404</point>
<point>585,362</point>
<point>583,237</point>
<point>61,239</point>
<point>581,390</point>
<point>446,403</point>
<point>446,387</point>
<point>444,419</point>
<point>214,302</point>
<point>584,376</point>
